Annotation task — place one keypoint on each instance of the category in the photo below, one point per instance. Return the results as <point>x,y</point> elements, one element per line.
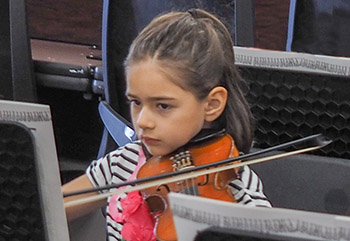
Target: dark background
<point>81,21</point>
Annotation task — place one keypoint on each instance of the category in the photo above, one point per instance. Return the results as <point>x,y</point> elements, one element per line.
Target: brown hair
<point>199,48</point>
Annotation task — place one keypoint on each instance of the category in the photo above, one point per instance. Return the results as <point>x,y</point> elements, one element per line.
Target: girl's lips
<point>149,140</point>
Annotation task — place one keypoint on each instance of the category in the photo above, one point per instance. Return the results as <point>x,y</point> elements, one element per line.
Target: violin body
<point>213,186</point>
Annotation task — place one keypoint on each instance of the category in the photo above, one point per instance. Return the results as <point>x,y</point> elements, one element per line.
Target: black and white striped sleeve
<point>99,171</point>
<point>248,189</point>
<point>116,166</point>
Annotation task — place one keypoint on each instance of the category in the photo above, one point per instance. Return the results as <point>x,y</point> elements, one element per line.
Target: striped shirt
<point>119,165</point>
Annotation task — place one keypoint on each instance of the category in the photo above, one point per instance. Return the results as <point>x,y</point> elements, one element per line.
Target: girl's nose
<point>145,119</point>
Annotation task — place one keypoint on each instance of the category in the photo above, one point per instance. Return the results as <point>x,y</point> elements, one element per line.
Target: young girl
<point>182,84</point>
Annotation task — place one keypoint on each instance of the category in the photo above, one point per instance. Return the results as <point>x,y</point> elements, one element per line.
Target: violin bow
<point>309,143</point>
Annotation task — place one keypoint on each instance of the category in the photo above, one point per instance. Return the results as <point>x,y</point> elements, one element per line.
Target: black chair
<point>230,234</point>
<point>25,211</point>
<point>307,182</point>
<point>20,207</point>
<point>17,75</point>
<point>319,27</point>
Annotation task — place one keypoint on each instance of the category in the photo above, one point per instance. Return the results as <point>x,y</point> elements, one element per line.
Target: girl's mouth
<point>150,141</point>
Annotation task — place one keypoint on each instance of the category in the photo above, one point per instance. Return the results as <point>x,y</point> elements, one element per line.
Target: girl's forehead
<point>155,70</point>
<point>151,64</point>
<point>148,75</point>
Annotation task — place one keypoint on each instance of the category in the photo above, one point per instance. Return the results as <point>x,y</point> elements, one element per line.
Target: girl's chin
<point>157,152</point>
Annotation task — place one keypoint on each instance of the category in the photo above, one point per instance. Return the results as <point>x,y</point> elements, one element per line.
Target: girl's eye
<point>164,106</point>
<point>135,102</point>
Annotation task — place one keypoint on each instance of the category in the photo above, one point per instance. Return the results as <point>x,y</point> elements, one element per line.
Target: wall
<point>76,21</point>
<point>81,21</point>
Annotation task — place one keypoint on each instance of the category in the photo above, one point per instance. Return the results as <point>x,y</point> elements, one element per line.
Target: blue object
<point>119,128</point>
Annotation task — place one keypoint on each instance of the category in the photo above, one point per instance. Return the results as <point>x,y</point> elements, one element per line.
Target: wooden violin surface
<point>213,186</point>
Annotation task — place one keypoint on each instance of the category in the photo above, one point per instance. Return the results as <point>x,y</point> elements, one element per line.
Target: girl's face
<point>164,115</point>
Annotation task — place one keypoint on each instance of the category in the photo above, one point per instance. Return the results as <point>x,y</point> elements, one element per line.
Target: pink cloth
<point>138,222</point>
<point>113,208</point>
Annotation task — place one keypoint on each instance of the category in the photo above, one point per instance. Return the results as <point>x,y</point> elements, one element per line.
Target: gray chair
<point>307,182</point>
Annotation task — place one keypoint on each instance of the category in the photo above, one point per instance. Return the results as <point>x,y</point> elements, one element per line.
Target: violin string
<point>186,187</point>
<point>186,176</point>
<point>189,185</point>
<point>193,187</point>
<point>184,183</point>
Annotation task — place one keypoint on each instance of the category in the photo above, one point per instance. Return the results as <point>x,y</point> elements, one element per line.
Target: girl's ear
<point>215,103</point>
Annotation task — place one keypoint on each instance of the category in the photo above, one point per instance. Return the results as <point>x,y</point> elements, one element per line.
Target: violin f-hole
<point>221,179</point>
<point>165,186</point>
<point>206,181</point>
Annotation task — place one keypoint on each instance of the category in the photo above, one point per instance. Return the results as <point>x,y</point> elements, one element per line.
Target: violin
<point>215,185</point>
<point>180,176</point>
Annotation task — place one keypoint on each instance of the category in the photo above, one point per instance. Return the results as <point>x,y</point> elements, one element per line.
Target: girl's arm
<point>248,189</point>
<point>77,184</point>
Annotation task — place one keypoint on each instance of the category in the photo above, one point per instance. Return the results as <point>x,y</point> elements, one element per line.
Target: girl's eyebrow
<point>152,98</point>
<point>130,95</point>
<point>157,98</point>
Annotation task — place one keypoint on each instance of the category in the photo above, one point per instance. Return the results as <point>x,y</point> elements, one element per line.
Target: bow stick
<point>311,143</point>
